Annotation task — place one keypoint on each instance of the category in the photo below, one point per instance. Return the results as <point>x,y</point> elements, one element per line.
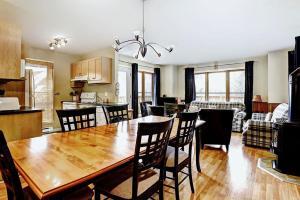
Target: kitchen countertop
<point>23,109</point>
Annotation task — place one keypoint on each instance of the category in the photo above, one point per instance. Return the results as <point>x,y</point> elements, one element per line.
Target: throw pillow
<point>268,117</point>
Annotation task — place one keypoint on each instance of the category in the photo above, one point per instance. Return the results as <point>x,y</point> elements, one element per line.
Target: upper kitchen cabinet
<point>95,70</point>
<point>79,70</point>
<point>10,54</point>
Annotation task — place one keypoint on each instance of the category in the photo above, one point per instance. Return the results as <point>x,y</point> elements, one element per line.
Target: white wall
<point>278,76</point>
<point>260,77</point>
<point>169,81</point>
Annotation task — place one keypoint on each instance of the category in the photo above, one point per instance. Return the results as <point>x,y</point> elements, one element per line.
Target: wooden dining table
<point>55,163</point>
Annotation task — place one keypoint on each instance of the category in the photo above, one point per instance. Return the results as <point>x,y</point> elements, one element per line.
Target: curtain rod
<point>154,66</point>
<point>222,65</point>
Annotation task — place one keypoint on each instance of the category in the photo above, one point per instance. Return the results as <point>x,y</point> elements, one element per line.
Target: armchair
<point>258,131</point>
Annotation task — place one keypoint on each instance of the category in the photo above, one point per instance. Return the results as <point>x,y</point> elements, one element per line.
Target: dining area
<point>124,159</point>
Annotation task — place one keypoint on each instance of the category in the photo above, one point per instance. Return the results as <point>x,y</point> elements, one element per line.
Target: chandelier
<point>58,42</point>
<point>140,40</point>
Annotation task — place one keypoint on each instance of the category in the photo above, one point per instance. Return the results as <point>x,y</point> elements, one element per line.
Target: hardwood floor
<point>230,176</point>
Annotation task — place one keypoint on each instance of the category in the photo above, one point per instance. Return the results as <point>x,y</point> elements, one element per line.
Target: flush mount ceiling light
<point>140,40</point>
<point>58,42</point>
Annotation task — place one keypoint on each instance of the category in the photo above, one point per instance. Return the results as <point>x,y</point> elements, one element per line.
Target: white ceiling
<point>201,30</point>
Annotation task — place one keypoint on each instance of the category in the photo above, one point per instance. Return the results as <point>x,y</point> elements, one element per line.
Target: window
<point>145,90</point>
<point>217,86</point>
<point>200,87</point>
<point>220,86</point>
<point>124,80</point>
<point>39,89</point>
<point>237,86</point>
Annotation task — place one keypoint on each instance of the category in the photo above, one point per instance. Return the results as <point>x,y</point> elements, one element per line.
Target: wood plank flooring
<point>231,175</point>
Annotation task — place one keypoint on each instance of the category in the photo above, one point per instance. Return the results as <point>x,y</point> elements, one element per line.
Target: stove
<point>88,97</point>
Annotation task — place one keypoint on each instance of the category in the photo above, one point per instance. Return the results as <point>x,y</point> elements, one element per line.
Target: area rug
<point>265,164</point>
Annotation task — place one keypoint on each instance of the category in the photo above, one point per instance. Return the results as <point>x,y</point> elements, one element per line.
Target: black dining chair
<point>174,108</point>
<point>115,114</point>
<point>139,180</point>
<point>157,110</point>
<point>14,189</point>
<point>144,109</point>
<point>74,119</point>
<point>176,158</point>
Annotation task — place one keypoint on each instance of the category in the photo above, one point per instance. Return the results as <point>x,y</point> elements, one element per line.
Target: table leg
<point>198,132</point>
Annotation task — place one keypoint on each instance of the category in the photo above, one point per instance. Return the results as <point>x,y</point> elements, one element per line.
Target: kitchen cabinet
<point>95,70</point>
<point>10,54</point>
<point>79,69</point>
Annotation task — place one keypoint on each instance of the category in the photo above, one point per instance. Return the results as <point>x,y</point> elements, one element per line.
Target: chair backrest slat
<point>186,128</point>
<point>9,172</point>
<point>80,118</point>
<point>115,114</point>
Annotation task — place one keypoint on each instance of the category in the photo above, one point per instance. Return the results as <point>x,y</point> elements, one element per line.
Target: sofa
<point>239,114</point>
<point>258,131</point>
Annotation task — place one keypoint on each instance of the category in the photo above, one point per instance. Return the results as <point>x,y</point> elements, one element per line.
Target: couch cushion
<point>280,111</point>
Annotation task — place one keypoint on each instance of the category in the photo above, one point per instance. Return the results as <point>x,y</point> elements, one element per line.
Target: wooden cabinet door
<point>95,71</point>
<point>91,69</point>
<point>98,69</point>
<point>84,68</point>
<point>10,51</point>
<point>73,70</point>
<point>106,64</point>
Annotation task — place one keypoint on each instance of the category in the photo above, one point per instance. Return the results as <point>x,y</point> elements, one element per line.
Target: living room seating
<point>239,114</point>
<point>258,131</point>
<point>218,127</point>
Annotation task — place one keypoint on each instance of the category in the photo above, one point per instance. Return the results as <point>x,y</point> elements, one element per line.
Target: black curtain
<point>190,88</point>
<point>135,89</point>
<point>156,79</point>
<point>248,88</point>
<point>291,61</point>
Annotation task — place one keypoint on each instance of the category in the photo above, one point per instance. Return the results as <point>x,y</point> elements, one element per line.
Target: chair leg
<point>191,176</point>
<point>176,184</point>
<point>227,147</point>
<point>161,191</point>
<point>97,194</point>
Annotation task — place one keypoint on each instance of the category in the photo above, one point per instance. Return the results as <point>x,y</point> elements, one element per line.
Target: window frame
<point>143,84</point>
<point>227,75</point>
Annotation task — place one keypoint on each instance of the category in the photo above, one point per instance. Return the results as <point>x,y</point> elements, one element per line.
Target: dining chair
<point>74,119</point>
<point>115,114</point>
<point>176,158</point>
<point>174,108</point>
<point>144,109</point>
<point>157,110</point>
<point>14,189</point>
<point>139,179</point>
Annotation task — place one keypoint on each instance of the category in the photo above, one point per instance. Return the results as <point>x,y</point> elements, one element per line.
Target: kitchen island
<point>21,123</point>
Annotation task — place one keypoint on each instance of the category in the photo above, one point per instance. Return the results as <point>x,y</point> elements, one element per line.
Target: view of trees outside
<point>237,86</point>
<point>217,86</point>
<point>42,94</point>
<point>200,87</point>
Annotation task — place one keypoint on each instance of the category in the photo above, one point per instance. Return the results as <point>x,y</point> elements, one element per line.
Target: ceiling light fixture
<point>58,42</point>
<point>140,40</point>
